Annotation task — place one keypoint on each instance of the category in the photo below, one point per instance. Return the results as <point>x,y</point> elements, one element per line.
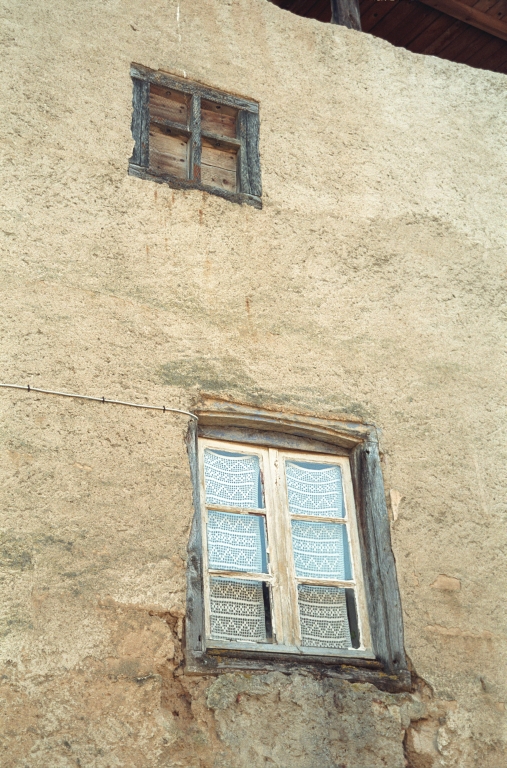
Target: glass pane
<point>237,542</point>
<point>321,550</point>
<point>323,617</point>
<point>240,610</point>
<point>314,489</point>
<point>232,479</point>
<point>353,620</point>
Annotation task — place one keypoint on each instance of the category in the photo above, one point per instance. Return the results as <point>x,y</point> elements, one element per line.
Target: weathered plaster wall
<point>372,282</point>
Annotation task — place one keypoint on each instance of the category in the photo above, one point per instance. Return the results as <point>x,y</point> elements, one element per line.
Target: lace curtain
<point>236,542</point>
<point>232,481</point>
<point>320,550</point>
<point>237,610</point>
<point>323,617</point>
<point>314,491</point>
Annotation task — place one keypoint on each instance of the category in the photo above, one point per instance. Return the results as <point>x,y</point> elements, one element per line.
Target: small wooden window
<point>281,555</point>
<point>192,137</point>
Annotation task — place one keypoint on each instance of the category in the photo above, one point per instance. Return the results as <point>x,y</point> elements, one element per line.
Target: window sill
<point>352,668</point>
<point>141,172</point>
<point>293,650</point>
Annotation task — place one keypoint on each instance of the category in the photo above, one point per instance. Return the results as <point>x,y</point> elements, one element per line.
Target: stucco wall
<point>372,283</point>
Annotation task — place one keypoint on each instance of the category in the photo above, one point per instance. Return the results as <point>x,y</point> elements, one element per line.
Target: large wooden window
<point>289,556</point>
<point>282,561</point>
<point>193,137</point>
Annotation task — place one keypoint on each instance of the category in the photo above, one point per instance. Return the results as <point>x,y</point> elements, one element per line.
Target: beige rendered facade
<point>371,284</point>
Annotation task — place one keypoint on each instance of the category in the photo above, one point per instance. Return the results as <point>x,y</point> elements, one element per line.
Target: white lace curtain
<point>237,610</point>
<point>314,491</point>
<point>323,617</point>
<point>236,542</point>
<point>232,481</point>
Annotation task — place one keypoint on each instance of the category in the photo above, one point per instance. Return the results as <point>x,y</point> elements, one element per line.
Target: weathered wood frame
<point>246,142</point>
<point>244,424</point>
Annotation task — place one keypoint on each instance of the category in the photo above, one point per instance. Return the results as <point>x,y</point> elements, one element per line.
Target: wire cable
<point>163,408</point>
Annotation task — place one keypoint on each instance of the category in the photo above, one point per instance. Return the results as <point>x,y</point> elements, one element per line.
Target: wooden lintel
<point>222,413</point>
<point>478,19</point>
<point>276,439</point>
<point>158,77</point>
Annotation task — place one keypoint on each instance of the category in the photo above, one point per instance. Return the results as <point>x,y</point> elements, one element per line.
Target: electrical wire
<point>163,408</point>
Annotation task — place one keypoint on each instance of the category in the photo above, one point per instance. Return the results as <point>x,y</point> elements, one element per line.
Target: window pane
<point>168,151</point>
<point>237,542</point>
<point>240,610</point>
<point>218,119</point>
<point>232,479</point>
<point>314,489</point>
<point>321,550</point>
<point>166,104</point>
<point>323,617</point>
<point>218,165</point>
<point>353,620</point>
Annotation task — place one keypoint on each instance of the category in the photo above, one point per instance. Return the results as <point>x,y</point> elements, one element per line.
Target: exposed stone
<point>447,583</point>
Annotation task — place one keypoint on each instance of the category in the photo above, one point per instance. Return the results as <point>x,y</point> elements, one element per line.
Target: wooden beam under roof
<point>346,13</point>
<point>470,15</point>
<point>465,31</point>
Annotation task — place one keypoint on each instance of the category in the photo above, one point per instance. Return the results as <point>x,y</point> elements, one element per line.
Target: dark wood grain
<point>487,6</point>
<point>195,141</point>
<point>249,160</point>
<point>381,584</point>
<point>375,12</point>
<point>354,671</point>
<point>451,32</point>
<point>496,52</point>
<point>467,41</point>
<point>498,59</point>
<point>392,24</point>
<point>479,49</point>
<point>458,10</point>
<point>428,20</point>
<point>194,623</point>
<point>140,125</point>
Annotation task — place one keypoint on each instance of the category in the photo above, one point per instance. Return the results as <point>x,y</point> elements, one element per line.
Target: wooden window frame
<point>281,576</point>
<point>383,663</point>
<point>246,142</point>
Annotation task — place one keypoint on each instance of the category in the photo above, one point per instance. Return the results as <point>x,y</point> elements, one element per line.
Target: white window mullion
<point>275,550</point>
<point>286,574</point>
